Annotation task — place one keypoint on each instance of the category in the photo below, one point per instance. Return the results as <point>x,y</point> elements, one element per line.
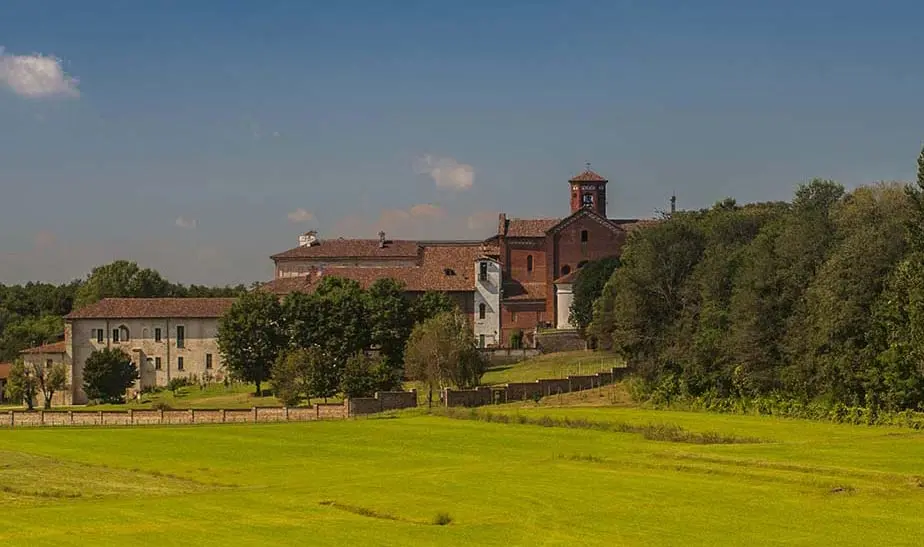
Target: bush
<point>442,519</point>
<point>177,383</point>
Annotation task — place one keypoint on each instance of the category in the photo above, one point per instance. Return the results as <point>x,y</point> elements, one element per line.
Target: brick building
<point>519,279</point>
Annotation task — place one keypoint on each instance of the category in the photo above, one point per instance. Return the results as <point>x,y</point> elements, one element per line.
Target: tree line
<point>32,314</point>
<point>344,339</point>
<point>819,299</point>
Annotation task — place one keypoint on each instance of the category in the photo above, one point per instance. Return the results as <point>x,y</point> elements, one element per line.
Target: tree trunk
<point>48,397</point>
<point>259,392</point>
<point>430,398</point>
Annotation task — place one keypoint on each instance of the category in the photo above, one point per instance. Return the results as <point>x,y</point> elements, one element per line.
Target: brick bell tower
<point>588,190</point>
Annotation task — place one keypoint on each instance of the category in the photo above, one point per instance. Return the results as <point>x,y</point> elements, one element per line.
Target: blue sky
<point>199,137</point>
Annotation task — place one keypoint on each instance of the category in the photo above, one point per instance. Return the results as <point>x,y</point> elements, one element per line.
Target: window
<point>115,335</point>
<point>566,269</point>
<point>208,360</point>
<point>179,363</point>
<point>49,363</point>
<point>157,334</point>
<point>181,336</point>
<point>123,334</point>
<point>588,200</point>
<point>529,263</point>
<point>99,336</point>
<point>481,310</point>
<point>157,363</point>
<point>483,271</point>
<point>480,340</point>
<point>583,236</point>
<point>513,317</point>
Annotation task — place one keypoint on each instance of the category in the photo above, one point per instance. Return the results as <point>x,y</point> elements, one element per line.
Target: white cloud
<point>446,172</point>
<point>36,76</point>
<point>301,215</point>
<point>186,223</point>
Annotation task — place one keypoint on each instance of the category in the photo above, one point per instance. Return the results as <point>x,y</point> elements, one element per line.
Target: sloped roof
<point>353,248</point>
<point>515,290</point>
<point>55,347</point>
<point>568,278</point>
<point>154,308</point>
<point>530,227</point>
<point>630,224</point>
<point>442,267</point>
<point>588,176</point>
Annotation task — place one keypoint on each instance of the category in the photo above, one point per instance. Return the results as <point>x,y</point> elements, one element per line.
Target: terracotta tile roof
<point>353,248</point>
<point>530,227</point>
<point>56,347</point>
<point>630,224</point>
<point>569,278</point>
<point>153,308</point>
<point>5,370</point>
<point>588,176</point>
<point>514,290</point>
<point>442,267</point>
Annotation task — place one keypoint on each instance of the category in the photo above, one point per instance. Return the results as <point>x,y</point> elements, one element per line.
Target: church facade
<point>516,281</point>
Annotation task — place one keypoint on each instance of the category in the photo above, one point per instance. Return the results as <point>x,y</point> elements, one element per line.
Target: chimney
<point>673,203</point>
<point>381,240</point>
<point>308,239</point>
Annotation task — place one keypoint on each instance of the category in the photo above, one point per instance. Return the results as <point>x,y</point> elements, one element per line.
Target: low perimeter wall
<point>390,400</point>
<point>524,391</point>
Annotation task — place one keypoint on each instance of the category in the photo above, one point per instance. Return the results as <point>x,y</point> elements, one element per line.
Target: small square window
<point>157,363</point>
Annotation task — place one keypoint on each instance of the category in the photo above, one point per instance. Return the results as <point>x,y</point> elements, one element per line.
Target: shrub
<point>442,519</point>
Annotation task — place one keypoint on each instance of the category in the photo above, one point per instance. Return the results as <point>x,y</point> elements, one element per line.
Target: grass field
<point>383,481</point>
<point>553,365</point>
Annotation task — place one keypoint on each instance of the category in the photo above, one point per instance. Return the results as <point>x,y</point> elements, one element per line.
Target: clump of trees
<point>316,345</point>
<point>441,352</point>
<point>27,381</point>
<point>588,286</point>
<point>817,299</point>
<point>107,374</point>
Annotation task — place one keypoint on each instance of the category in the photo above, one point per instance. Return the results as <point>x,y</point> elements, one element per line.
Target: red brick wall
<point>522,316</point>
<point>515,266</point>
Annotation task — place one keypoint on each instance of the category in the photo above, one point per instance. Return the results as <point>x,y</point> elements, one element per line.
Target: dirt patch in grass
<point>441,519</point>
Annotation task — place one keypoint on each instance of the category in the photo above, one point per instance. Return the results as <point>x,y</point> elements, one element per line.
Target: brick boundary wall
<point>524,391</point>
<point>389,400</point>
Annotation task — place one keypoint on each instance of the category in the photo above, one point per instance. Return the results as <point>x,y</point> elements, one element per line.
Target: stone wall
<point>556,341</point>
<point>389,400</point>
<point>524,391</point>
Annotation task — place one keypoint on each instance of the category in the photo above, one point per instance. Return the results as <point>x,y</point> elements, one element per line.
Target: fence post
<point>131,416</point>
<point>100,417</point>
<point>222,415</point>
<point>70,417</point>
<point>317,411</point>
<point>41,417</point>
<point>285,409</point>
<point>12,418</point>
<point>161,416</point>
<point>192,415</point>
<point>254,414</point>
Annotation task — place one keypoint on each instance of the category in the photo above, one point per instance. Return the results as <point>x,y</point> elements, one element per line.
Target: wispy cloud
<point>446,172</point>
<point>186,223</point>
<point>36,76</point>
<point>301,215</point>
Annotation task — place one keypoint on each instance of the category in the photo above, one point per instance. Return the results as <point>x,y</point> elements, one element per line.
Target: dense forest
<point>820,299</point>
<point>32,314</point>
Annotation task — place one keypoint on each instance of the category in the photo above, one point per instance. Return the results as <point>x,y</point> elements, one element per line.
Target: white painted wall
<point>487,292</point>
<point>564,295</point>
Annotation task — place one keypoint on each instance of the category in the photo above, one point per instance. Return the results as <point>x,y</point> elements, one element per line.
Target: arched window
<point>481,311</point>
<point>583,236</point>
<point>529,263</point>
<point>120,334</point>
<point>566,269</point>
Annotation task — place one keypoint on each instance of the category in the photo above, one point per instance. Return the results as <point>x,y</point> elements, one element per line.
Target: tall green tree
<point>390,320</point>
<point>122,279</point>
<point>588,287</point>
<point>250,337</point>
<point>50,380</point>
<point>441,352</point>
<point>290,376</point>
<point>107,373</point>
<point>22,386</point>
<point>430,304</point>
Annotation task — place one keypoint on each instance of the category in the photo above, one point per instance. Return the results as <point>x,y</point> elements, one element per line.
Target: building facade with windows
<point>515,281</point>
<point>164,337</point>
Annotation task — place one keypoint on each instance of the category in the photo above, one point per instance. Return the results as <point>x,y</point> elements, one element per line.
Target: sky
<point>198,138</point>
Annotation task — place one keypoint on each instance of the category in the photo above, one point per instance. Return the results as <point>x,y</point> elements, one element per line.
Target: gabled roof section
<point>56,347</point>
<point>154,308</point>
<point>570,278</point>
<point>582,212</point>
<point>515,290</point>
<point>353,248</point>
<point>588,176</point>
<point>529,227</point>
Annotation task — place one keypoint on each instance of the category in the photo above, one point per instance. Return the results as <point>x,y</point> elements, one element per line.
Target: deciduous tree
<point>107,373</point>
<point>441,351</point>
<point>250,337</point>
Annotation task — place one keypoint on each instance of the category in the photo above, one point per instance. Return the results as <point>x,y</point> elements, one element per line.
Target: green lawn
<point>553,365</point>
<point>382,481</point>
